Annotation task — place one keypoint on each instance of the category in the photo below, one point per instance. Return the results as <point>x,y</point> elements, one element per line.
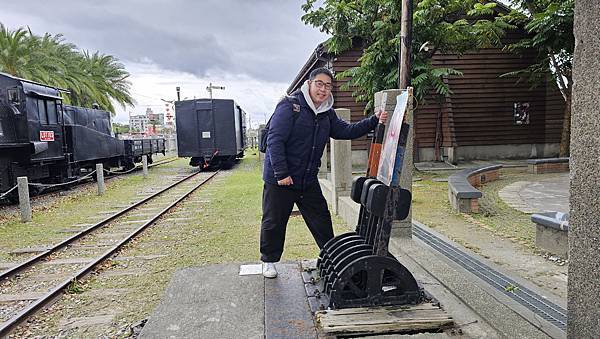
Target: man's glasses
<point>321,84</point>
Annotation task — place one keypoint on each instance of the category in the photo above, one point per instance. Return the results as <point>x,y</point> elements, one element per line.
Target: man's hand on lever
<point>382,115</point>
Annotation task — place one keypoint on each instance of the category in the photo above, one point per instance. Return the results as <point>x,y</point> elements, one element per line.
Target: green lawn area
<point>226,227</point>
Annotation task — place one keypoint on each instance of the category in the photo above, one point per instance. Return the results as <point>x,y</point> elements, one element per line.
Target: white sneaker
<point>269,270</point>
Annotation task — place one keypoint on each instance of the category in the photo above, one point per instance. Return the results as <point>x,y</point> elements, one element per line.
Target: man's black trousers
<point>277,205</point>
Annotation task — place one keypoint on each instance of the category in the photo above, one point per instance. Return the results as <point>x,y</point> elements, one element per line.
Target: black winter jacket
<point>294,148</point>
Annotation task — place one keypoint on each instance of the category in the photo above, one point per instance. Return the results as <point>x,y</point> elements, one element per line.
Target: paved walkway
<point>546,195</point>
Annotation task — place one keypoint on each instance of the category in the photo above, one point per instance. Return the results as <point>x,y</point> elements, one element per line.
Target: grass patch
<point>430,200</point>
<point>503,219</point>
<point>75,287</point>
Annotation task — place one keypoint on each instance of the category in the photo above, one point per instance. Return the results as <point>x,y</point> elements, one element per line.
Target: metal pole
<point>178,93</point>
<point>404,58</point>
<point>145,164</point>
<point>100,178</point>
<point>210,89</point>
<point>24,204</point>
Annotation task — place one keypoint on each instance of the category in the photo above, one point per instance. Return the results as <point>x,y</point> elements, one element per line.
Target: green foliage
<point>120,128</point>
<point>91,78</point>
<point>75,287</point>
<point>511,288</point>
<point>550,25</point>
<point>445,26</point>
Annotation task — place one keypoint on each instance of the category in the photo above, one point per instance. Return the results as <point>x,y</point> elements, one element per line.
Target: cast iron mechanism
<point>356,268</point>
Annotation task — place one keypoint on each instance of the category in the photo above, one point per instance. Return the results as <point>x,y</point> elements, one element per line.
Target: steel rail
<point>45,187</point>
<point>140,167</point>
<point>14,321</point>
<point>23,265</point>
<point>162,162</point>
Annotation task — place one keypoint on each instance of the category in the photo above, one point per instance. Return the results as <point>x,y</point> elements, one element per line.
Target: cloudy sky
<point>253,48</point>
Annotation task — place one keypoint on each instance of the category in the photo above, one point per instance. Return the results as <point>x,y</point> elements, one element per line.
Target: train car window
<point>42,112</point>
<point>13,96</point>
<point>59,112</point>
<point>51,110</point>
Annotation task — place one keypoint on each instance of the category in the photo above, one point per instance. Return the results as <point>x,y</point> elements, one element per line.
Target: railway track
<point>22,295</point>
<point>46,190</point>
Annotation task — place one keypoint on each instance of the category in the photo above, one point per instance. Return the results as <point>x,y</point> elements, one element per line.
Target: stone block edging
<point>552,232</point>
<point>549,220</point>
<point>462,191</point>
<point>548,165</point>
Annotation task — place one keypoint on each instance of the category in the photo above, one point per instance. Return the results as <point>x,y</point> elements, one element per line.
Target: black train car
<point>210,131</point>
<point>135,148</point>
<point>89,137</point>
<point>51,143</point>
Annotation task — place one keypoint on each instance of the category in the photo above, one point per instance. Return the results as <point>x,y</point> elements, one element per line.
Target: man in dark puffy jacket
<point>298,132</point>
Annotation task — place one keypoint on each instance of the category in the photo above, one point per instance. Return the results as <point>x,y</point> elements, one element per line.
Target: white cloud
<point>150,84</point>
<point>253,48</point>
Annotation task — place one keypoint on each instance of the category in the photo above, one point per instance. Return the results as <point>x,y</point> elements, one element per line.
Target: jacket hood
<point>324,107</point>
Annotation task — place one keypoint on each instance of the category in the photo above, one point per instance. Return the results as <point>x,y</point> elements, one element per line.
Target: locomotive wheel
<point>374,281</point>
<point>128,165</point>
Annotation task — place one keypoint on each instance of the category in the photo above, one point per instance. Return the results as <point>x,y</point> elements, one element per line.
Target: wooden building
<point>485,117</point>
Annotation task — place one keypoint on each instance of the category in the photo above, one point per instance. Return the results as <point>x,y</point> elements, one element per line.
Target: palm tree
<point>107,80</point>
<point>15,49</point>
<point>91,78</point>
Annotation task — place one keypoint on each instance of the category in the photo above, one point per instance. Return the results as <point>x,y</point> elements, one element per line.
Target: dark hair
<point>320,70</point>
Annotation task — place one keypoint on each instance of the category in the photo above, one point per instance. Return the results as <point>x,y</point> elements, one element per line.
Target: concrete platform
<point>215,302</point>
<point>210,302</point>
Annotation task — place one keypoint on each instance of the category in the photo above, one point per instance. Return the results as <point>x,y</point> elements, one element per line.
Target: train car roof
<point>203,100</point>
<point>33,82</point>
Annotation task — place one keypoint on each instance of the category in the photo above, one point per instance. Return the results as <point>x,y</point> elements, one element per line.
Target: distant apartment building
<point>138,123</point>
<point>156,119</point>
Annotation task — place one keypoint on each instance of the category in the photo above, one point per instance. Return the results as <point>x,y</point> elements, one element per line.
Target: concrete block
<point>324,169</point>
<point>327,189</point>
<point>145,165</point>
<point>210,302</point>
<point>341,170</point>
<point>100,179</point>
<point>24,203</point>
<point>348,210</point>
<point>552,240</point>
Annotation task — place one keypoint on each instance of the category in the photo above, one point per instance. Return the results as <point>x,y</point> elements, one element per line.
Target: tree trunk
<point>565,139</point>
<point>404,59</point>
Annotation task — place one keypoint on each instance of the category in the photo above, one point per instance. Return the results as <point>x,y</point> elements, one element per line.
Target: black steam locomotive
<point>53,143</point>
